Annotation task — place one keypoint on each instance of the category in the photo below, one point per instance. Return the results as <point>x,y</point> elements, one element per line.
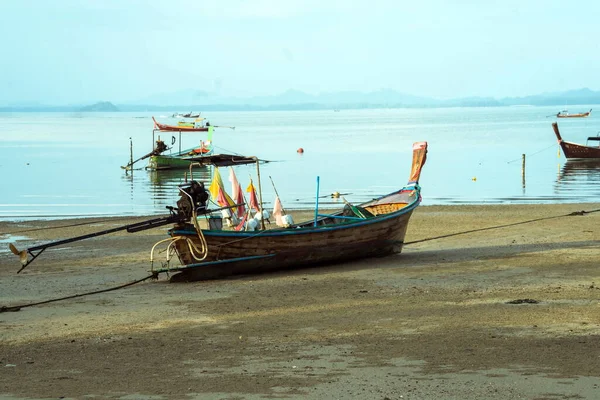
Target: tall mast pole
<point>260,200</point>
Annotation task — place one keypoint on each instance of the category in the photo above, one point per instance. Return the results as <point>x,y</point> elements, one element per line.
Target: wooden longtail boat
<point>565,114</point>
<point>186,115</point>
<point>181,127</point>
<point>574,150</point>
<point>178,160</point>
<point>183,157</point>
<point>375,228</point>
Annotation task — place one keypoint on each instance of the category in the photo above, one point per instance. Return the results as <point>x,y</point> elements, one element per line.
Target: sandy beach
<point>485,302</point>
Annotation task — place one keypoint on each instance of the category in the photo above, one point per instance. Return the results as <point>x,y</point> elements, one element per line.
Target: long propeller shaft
<point>35,251</point>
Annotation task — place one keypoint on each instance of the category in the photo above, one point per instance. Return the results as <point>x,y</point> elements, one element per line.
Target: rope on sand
<point>154,275</point>
<point>574,213</point>
<point>18,308</point>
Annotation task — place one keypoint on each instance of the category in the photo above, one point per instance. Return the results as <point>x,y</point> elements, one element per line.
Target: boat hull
<point>184,127</point>
<point>173,128</point>
<point>574,150</point>
<point>578,115</point>
<point>231,253</point>
<point>177,161</point>
<point>167,162</point>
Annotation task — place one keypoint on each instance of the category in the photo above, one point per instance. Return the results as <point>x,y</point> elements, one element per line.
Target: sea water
<point>57,165</point>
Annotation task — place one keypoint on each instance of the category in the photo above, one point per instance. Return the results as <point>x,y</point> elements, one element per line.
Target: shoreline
<point>303,211</point>
<point>432,322</point>
<point>39,230</point>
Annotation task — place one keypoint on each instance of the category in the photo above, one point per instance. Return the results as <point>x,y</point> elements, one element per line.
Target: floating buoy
<point>300,150</point>
<point>474,178</point>
<point>335,195</point>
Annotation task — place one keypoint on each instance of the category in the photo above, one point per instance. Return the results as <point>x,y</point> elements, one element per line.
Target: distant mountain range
<point>103,106</point>
<point>297,100</point>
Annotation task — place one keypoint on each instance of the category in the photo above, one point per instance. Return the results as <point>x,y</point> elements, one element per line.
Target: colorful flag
<point>210,134</point>
<point>253,199</point>
<point>278,212</point>
<point>217,191</point>
<point>419,157</point>
<point>238,195</point>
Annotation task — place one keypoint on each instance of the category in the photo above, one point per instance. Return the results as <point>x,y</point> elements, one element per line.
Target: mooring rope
<point>583,212</point>
<point>155,274</point>
<point>532,154</point>
<point>18,307</point>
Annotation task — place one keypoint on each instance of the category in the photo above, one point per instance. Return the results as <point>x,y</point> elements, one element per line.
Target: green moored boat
<point>175,161</point>
<point>182,158</point>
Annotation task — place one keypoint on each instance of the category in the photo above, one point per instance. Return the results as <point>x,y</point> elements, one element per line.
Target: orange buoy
<point>300,150</point>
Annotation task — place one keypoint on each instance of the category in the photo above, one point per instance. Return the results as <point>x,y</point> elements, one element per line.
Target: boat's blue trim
<point>213,263</point>
<point>340,217</point>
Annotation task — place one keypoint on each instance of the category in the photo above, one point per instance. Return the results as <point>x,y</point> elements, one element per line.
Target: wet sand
<point>434,322</point>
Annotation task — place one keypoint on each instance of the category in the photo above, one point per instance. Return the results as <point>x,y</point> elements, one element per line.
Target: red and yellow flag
<point>217,191</point>
<point>238,195</point>
<point>253,199</point>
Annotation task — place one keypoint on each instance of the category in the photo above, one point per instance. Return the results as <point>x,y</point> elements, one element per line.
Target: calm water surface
<point>68,164</point>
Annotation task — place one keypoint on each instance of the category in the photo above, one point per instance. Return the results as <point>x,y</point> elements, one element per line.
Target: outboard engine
<point>160,147</point>
<point>197,199</point>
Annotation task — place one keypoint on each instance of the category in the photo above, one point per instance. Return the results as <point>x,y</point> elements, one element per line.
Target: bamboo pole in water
<point>130,152</point>
<point>523,171</point>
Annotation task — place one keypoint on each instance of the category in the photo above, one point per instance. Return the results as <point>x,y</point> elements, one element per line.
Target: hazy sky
<point>60,51</point>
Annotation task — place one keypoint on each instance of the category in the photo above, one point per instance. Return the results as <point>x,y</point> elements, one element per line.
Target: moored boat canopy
<point>225,160</point>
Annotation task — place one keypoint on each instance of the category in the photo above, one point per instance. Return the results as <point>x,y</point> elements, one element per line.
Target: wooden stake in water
<point>523,171</point>
<point>130,151</point>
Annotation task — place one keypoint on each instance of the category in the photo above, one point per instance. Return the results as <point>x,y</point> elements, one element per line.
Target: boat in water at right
<point>565,114</point>
<point>574,150</point>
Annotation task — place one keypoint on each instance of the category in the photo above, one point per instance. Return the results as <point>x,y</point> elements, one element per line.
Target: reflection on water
<point>163,185</point>
<point>50,170</point>
<point>172,178</point>
<point>581,176</point>
<point>152,191</point>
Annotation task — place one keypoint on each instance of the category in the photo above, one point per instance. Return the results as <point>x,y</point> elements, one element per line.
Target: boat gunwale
<point>312,229</point>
